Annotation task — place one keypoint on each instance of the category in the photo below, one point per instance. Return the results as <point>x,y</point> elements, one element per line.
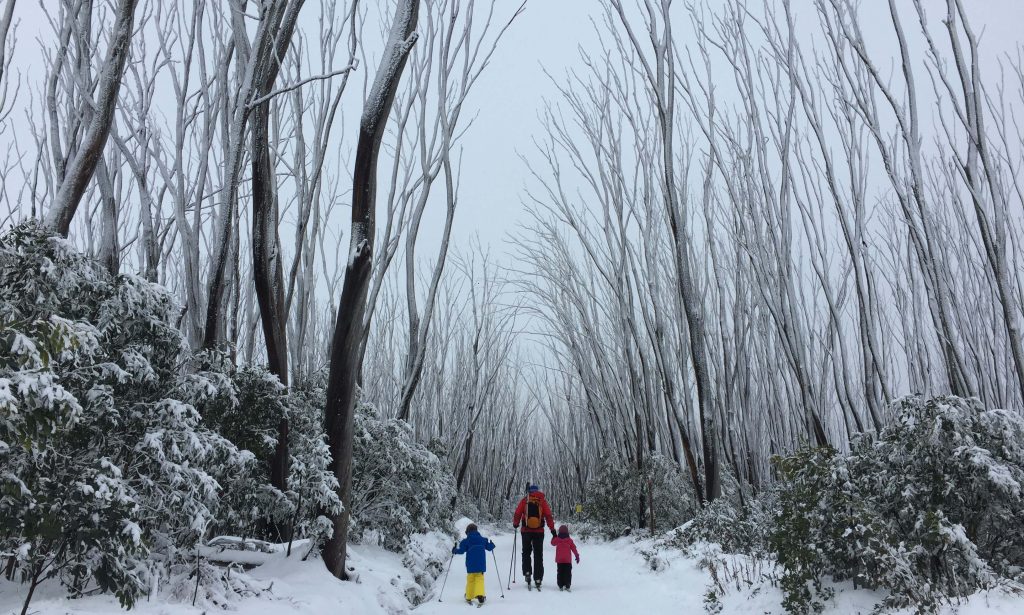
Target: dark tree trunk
<point>110,250</point>
<point>346,355</point>
<point>262,65</point>
<point>461,476</point>
<point>268,274</point>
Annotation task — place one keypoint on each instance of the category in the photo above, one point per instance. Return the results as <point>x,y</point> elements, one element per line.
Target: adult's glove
<point>454,549</point>
<point>577,559</point>
<point>553,534</point>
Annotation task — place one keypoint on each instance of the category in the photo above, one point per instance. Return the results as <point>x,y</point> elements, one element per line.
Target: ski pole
<point>498,574</point>
<point>445,582</point>
<point>512,564</point>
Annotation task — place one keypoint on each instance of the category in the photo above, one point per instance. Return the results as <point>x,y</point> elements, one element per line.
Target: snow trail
<point>611,577</point>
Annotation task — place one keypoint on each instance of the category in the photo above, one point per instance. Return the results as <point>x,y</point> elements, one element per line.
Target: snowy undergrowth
<point>122,452</point>
<point>735,583</point>
<point>386,583</point>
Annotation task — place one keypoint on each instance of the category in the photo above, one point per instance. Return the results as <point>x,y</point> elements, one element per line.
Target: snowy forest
<point>277,329</point>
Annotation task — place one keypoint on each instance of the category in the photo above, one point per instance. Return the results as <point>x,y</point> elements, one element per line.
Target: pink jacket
<point>565,548</point>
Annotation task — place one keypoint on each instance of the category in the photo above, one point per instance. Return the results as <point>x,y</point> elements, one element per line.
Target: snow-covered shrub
<point>736,528</point>
<point>217,587</point>
<point>807,537</point>
<point>425,557</point>
<point>931,509</point>
<point>948,477</point>
<point>101,460</point>
<point>619,496</point>
<point>247,412</point>
<point>310,477</point>
<point>399,488</point>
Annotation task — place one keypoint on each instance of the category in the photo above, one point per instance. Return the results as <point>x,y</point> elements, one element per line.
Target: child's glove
<point>454,549</point>
<point>553,534</point>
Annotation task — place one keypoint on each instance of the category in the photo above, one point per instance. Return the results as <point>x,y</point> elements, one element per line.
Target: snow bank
<point>743,585</point>
<point>618,576</point>
<point>461,524</point>
<point>386,583</point>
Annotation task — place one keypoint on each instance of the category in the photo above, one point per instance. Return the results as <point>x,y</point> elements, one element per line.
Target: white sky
<point>548,35</point>
<point>511,92</point>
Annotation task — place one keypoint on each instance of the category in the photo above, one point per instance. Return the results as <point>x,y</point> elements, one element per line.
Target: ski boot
<point>537,584</point>
<point>529,584</point>
<point>480,601</point>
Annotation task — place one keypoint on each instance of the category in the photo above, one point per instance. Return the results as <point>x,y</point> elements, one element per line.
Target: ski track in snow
<point>610,578</point>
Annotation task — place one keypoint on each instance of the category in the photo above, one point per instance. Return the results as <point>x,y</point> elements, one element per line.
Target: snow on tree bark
<point>82,165</point>
<point>346,351</point>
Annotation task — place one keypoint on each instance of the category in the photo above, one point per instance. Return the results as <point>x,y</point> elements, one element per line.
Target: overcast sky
<point>548,36</point>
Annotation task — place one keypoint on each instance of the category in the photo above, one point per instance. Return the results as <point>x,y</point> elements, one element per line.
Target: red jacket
<point>565,548</point>
<point>545,515</point>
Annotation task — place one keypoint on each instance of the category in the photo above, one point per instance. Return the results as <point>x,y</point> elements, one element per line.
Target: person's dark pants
<point>533,543</point>
<point>564,575</point>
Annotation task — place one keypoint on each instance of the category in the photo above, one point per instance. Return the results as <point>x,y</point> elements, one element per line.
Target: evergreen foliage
<point>620,495</point>
<point>246,411</point>
<point>104,459</point>
<point>929,510</point>
<point>735,528</point>
<point>109,475</point>
<point>399,487</point>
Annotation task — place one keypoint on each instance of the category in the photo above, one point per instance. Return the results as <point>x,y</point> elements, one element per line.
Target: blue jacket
<point>473,545</point>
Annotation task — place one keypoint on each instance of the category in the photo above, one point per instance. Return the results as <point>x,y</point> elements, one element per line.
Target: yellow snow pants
<point>474,585</point>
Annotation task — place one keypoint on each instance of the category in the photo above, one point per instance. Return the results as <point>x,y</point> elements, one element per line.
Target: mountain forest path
<point>610,578</point>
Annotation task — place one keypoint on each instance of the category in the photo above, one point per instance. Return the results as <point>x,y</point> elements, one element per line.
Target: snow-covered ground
<point>612,577</point>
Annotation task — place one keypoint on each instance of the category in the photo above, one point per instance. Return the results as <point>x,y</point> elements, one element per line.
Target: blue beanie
<point>533,488</point>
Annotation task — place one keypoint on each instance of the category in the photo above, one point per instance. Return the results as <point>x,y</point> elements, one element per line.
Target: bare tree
<point>8,41</point>
<point>84,156</point>
<point>658,66</point>
<point>346,345</point>
<point>980,167</point>
<point>462,53</point>
<point>267,266</point>
<point>258,65</point>
<point>6,19</point>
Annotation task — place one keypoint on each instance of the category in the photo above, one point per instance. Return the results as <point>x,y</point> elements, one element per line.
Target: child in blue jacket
<point>475,547</point>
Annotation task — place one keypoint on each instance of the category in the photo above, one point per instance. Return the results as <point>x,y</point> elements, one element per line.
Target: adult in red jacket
<point>530,517</point>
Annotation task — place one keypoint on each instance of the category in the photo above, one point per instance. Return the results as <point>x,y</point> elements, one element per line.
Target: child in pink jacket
<point>565,548</point>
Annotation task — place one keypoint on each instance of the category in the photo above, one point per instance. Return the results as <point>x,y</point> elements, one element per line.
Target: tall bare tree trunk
<point>81,167</point>
<point>660,73</point>
<point>267,267</point>
<point>110,251</point>
<point>268,276</point>
<point>5,27</point>
<point>346,351</point>
<point>260,65</point>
